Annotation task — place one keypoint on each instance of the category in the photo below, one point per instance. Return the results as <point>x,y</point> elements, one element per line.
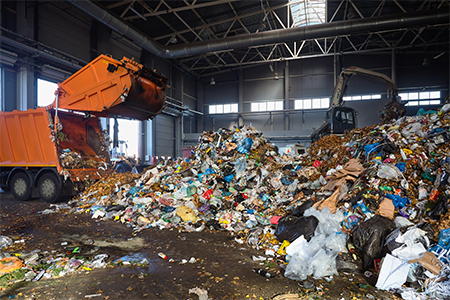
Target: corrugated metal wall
<point>65,31</point>
<point>164,135</point>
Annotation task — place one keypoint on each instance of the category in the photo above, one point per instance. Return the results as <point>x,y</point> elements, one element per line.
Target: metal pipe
<point>31,50</point>
<point>373,24</point>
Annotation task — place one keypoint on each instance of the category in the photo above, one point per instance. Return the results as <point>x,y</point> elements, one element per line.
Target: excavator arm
<point>107,88</point>
<point>344,77</point>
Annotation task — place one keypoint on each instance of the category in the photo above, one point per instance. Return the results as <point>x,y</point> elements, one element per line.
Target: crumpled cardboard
<point>387,208</point>
<point>349,172</point>
<point>430,262</point>
<point>329,202</point>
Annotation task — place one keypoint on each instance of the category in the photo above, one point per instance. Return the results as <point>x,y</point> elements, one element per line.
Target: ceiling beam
<point>237,17</point>
<point>183,8</point>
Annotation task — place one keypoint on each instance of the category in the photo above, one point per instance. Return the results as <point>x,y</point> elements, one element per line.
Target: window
<point>345,117</point>
<point>412,103</point>
<point>266,106</point>
<point>46,92</point>
<point>307,104</point>
<point>262,106</point>
<point>223,108</point>
<point>308,12</point>
<point>315,103</point>
<point>361,97</point>
<point>312,103</point>
<point>413,96</point>
<point>424,95</point>
<point>435,95</point>
<point>426,98</point>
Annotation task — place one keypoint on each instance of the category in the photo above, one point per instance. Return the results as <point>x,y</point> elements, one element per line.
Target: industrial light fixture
<point>212,82</point>
<point>261,26</point>
<point>173,39</point>
<point>275,77</point>
<point>351,15</point>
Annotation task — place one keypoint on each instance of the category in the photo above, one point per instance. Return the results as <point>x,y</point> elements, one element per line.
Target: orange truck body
<point>26,141</point>
<point>33,143</point>
<point>106,87</point>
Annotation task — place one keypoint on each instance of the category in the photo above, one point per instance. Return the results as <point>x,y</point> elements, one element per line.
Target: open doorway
<point>128,136</point>
<point>45,92</point>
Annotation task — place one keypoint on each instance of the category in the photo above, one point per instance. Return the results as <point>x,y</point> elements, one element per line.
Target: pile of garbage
<point>379,193</point>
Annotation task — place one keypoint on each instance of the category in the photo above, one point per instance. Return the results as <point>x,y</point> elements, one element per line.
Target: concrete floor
<point>223,267</point>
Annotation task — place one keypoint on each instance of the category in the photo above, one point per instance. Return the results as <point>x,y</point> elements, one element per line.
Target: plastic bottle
<point>262,272</point>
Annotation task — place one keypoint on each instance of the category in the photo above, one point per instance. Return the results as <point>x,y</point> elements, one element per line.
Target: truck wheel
<point>20,187</point>
<point>123,168</point>
<point>49,188</point>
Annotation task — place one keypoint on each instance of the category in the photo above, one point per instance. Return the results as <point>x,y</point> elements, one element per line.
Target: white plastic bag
<point>318,256</point>
<point>389,171</point>
<point>411,129</point>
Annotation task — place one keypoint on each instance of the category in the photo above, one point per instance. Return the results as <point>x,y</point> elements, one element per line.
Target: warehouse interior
<point>269,64</point>
<point>225,149</point>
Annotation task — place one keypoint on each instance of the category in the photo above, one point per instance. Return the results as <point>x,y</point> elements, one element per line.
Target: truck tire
<point>20,185</point>
<point>49,188</point>
<point>122,168</point>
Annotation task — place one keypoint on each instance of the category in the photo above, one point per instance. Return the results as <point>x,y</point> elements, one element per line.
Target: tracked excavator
<point>53,151</point>
<point>339,118</point>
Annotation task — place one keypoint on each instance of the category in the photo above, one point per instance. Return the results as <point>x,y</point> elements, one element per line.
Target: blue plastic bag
<point>228,178</point>
<point>422,112</point>
<point>442,249</point>
<point>245,145</point>
<point>370,148</point>
<point>401,166</point>
<point>397,200</point>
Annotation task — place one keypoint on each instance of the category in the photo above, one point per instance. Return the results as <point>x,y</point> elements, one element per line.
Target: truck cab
<point>338,119</point>
<point>341,119</point>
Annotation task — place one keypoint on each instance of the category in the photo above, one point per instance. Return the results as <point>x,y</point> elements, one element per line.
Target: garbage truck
<point>339,118</point>
<point>54,151</point>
